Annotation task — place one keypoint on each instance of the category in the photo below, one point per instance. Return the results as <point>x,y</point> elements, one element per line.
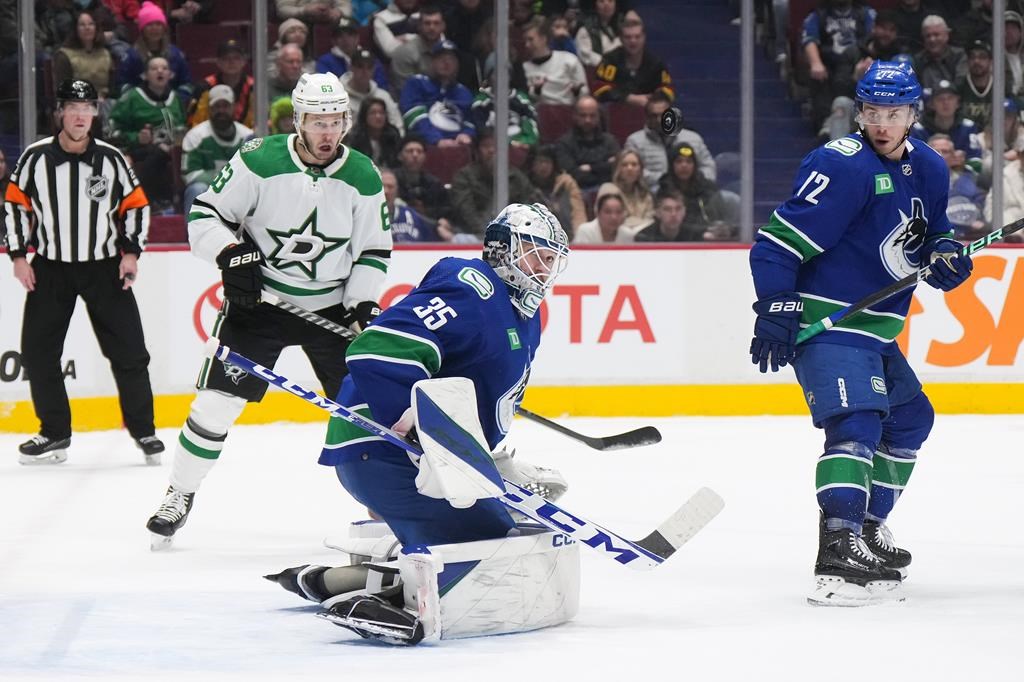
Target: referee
<point>76,201</point>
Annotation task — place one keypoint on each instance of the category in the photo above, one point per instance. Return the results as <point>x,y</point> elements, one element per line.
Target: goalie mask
<point>320,93</point>
<point>528,249</point>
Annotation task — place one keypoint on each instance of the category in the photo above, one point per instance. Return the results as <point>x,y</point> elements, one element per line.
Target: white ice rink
<point>81,594</point>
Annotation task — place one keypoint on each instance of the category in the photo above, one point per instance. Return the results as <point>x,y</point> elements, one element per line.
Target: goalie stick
<point>646,435</point>
<point>643,554</point>
<point>838,316</point>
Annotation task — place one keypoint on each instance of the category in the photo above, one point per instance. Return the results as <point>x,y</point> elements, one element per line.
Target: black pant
<point>115,320</point>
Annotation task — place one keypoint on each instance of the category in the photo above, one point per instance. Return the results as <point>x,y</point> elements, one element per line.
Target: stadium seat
<point>234,11</point>
<point>624,119</point>
<point>444,162</point>
<point>517,155</point>
<point>554,120</point>
<point>201,40</point>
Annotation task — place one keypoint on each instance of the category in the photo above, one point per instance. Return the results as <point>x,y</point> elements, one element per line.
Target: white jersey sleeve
<point>216,216</point>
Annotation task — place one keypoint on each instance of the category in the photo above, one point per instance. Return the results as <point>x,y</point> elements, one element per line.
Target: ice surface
<point>81,594</point>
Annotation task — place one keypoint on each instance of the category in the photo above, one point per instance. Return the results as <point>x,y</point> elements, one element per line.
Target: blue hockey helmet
<point>528,249</point>
<point>889,84</point>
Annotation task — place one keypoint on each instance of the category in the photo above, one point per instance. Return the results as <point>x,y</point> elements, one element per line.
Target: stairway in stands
<point>702,52</point>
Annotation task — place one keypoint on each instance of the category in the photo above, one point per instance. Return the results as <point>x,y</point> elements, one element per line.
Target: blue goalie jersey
<point>459,322</point>
<point>855,224</point>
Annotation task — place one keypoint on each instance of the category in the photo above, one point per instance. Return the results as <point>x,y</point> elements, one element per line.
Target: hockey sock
<point>890,473</point>
<point>202,437</point>
<point>842,481</point>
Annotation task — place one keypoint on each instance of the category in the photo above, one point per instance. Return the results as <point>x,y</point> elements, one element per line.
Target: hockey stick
<point>642,554</point>
<point>647,435</point>
<point>838,316</point>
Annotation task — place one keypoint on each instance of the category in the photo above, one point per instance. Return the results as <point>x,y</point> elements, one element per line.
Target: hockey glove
<point>778,321</point>
<point>947,269</point>
<point>240,270</point>
<point>358,317</point>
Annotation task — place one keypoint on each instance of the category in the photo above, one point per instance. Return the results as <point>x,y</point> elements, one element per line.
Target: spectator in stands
<point>55,22</point>
<point>631,73</point>
<point>938,61</point>
<point>484,58</point>
<point>559,192</point>
<point>291,32</point>
<point>314,11</point>
<point>976,23</point>
<point>282,116</point>
<point>1013,197</point>
<point>395,25</point>
<point>5,172</point>
<point>522,116</point>
<point>587,151</point>
<point>415,55</point>
<point>473,188</point>
<point>609,225</point>
<point>669,214</point>
<point>553,76</point>
<point>829,41</point>
<point>289,70</point>
<point>976,89</point>
<point>154,42</point>
<point>962,180</point>
<point>1013,139</point>
<point>84,56</point>
<point>599,32</point>
<point>942,115</point>
<point>364,10</point>
<point>437,107</point>
<point>464,18</point>
<point>407,225</point>
<point>884,44</point>
<point>629,178</point>
<point>209,146</point>
<point>1014,27</point>
<point>359,84</point>
<point>909,16</point>
<point>346,44</point>
<point>373,135</point>
<point>561,38</point>
<point>9,62</point>
<point>231,71</point>
<point>148,120</point>
<point>704,202</point>
<point>652,144</point>
<point>417,187</point>
<point>187,11</point>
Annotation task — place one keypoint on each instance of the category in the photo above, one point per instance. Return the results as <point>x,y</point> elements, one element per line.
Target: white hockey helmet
<point>320,93</point>
<point>528,249</point>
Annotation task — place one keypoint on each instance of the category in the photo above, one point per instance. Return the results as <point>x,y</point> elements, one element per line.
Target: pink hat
<point>149,13</point>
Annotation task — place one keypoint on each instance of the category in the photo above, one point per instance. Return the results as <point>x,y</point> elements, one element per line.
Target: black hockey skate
<point>377,616</point>
<point>43,450</point>
<point>848,574</point>
<point>306,581</point>
<point>879,540</point>
<point>151,447</point>
<point>171,516</point>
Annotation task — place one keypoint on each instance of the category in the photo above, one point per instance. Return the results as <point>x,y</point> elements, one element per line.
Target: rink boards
<point>627,331</point>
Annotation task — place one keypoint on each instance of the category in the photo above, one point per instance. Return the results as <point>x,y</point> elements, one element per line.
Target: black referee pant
<point>115,320</point>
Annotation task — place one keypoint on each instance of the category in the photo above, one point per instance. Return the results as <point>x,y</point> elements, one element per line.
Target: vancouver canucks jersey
<point>855,224</point>
<point>459,322</point>
<point>324,232</point>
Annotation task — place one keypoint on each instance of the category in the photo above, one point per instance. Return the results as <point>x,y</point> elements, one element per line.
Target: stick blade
<point>678,529</point>
<point>646,435</point>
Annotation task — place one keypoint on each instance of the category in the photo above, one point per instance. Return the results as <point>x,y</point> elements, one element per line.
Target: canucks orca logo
<point>509,401</point>
<point>900,251</point>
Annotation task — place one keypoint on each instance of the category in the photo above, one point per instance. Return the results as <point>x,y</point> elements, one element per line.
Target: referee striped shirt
<point>74,207</point>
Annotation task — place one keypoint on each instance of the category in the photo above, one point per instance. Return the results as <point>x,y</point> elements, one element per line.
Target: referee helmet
<point>76,90</point>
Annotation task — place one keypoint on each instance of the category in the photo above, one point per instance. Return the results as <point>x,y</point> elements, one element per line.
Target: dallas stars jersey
<point>324,232</point>
<point>855,224</point>
<point>459,322</point>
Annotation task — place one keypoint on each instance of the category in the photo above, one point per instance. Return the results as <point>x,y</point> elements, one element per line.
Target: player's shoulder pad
<point>843,150</point>
<point>267,156</point>
<point>927,158</point>
<point>360,172</point>
<point>465,281</point>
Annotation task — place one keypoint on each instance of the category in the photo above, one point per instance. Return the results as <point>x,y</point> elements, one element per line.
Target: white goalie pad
<point>456,464</point>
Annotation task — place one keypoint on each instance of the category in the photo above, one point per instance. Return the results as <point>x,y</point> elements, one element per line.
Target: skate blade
<point>52,457</point>
<point>370,629</point>
<point>835,591</point>
<point>152,460</point>
<point>159,543</point>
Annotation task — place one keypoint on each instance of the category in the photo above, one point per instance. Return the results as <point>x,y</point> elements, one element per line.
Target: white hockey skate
<point>43,450</point>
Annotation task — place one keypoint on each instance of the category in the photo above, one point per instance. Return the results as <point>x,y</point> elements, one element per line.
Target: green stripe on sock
<point>892,473</point>
<point>843,471</point>
<point>195,449</point>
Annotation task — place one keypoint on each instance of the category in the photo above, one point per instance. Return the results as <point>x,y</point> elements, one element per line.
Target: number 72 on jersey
<point>820,182</point>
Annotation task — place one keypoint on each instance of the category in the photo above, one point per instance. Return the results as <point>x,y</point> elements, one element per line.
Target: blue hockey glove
<point>778,321</point>
<point>947,269</point>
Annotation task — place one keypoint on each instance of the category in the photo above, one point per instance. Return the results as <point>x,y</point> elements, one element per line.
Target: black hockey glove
<point>948,269</point>
<point>358,317</point>
<point>778,321</point>
<point>240,270</point>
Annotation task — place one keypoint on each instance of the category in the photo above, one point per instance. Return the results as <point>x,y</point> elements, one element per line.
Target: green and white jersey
<point>324,232</point>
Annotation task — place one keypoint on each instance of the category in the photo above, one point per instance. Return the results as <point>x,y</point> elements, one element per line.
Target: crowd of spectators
<point>420,78</point>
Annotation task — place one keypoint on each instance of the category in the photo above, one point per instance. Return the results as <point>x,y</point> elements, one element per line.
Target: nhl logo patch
<point>96,187</point>
<point>907,169</point>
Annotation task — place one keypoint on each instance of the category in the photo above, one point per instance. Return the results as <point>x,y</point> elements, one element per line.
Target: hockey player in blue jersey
<point>866,210</point>
<point>472,319</point>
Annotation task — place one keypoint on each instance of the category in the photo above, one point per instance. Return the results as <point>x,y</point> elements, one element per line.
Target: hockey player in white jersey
<point>300,215</point>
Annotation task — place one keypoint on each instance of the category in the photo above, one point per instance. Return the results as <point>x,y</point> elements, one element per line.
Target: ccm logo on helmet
<point>244,259</point>
<point>882,93</point>
<point>786,307</point>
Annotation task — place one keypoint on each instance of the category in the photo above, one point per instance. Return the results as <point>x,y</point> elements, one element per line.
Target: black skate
<point>848,574</point>
<point>305,581</point>
<point>377,617</point>
<point>151,447</point>
<point>878,538</point>
<point>171,516</point>
<point>43,450</point>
